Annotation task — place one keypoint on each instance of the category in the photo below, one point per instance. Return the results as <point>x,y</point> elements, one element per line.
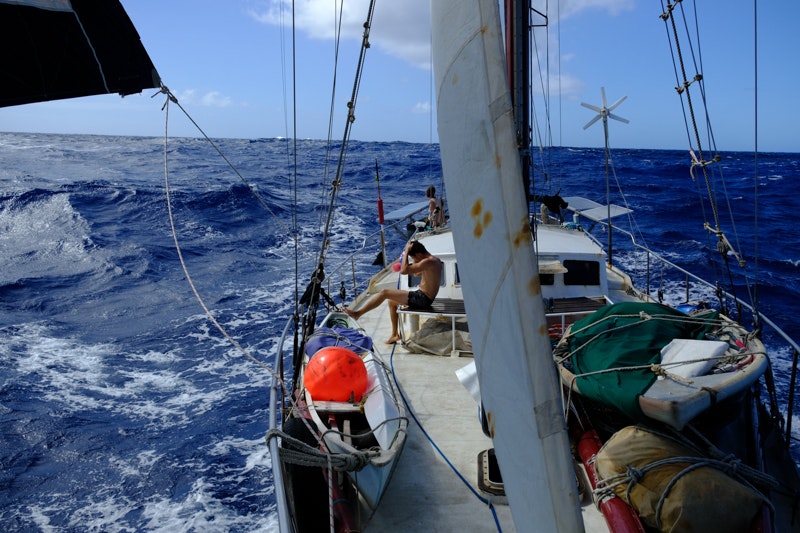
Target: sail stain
<point>477,207</point>
<point>523,236</point>
<point>482,218</point>
<point>534,286</point>
<point>490,422</point>
<point>543,330</point>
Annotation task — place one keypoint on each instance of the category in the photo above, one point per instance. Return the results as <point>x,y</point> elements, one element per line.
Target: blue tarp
<point>338,336</point>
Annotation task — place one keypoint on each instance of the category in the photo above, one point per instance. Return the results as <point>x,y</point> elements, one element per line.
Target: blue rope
<point>436,447</point>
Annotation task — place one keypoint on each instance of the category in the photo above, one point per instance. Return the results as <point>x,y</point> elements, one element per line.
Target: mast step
<point>490,481</point>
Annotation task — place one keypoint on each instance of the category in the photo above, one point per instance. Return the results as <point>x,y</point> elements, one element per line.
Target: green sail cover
<point>627,335</point>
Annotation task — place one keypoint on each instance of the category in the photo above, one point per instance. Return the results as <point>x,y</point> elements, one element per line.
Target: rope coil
<point>728,464</point>
<point>297,452</point>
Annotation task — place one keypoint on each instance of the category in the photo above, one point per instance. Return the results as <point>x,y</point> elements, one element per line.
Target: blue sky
<point>228,63</point>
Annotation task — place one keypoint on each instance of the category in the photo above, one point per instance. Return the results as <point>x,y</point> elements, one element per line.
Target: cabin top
<point>570,263</point>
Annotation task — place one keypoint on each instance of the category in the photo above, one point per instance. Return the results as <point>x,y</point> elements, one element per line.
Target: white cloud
<point>209,99</point>
<point>421,108</point>
<point>315,17</point>
<point>401,28</point>
<point>215,99</point>
<point>568,8</point>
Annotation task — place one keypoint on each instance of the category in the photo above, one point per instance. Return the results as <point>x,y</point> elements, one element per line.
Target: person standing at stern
<point>435,208</point>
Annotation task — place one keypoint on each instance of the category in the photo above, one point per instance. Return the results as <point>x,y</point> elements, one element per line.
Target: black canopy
<point>56,49</point>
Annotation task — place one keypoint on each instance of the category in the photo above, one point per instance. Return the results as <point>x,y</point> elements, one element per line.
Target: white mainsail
<point>501,288</point>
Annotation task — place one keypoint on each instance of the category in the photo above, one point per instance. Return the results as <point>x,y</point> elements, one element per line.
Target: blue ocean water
<point>123,409</point>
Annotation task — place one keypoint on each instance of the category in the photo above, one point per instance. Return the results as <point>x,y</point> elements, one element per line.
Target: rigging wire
<point>542,136</point>
<point>635,230</point>
<point>710,167</point>
<point>293,154</point>
<point>314,290</point>
<point>291,151</point>
<point>209,314</point>
<point>755,159</point>
<point>338,16</point>
<point>251,188</point>
<point>277,375</point>
<point>295,318</point>
<point>716,169</point>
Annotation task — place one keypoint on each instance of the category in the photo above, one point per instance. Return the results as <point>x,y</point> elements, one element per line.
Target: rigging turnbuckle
<point>724,245</point>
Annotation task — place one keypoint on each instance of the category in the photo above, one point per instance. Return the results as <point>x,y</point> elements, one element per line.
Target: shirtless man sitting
<point>425,265</point>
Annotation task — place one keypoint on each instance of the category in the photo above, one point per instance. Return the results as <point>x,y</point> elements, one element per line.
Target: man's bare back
<point>430,270</point>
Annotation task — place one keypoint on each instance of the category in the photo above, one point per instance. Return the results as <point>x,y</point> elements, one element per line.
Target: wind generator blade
<point>595,119</point>
<point>592,107</point>
<point>615,104</point>
<point>617,117</point>
<point>605,111</point>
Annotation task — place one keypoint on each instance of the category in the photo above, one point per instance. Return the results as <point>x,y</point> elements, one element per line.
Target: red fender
<point>620,517</point>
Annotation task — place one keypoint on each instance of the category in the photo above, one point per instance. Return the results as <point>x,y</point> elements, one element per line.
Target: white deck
<point>425,494</point>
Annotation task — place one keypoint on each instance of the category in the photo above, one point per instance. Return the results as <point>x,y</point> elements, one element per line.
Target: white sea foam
<point>162,389</point>
<point>46,237</point>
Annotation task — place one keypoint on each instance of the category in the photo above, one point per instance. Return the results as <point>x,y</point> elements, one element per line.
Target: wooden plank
<point>441,306</point>
<point>336,407</point>
<point>574,305</point>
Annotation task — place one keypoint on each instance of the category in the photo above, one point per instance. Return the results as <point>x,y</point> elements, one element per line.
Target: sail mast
<point>518,65</point>
<point>502,292</point>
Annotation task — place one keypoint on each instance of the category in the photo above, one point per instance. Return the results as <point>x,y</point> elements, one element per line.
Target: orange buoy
<point>396,266</point>
<point>336,374</point>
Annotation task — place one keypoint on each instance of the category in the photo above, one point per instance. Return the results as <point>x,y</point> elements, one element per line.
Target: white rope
<point>644,318</point>
<point>209,314</point>
<point>728,464</point>
<point>197,295</point>
<point>297,452</point>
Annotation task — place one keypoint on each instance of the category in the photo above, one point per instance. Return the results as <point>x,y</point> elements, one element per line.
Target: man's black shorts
<point>419,299</point>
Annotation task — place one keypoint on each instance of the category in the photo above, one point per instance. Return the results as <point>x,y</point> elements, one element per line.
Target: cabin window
<point>458,278</point>
<point>547,279</point>
<point>413,281</point>
<point>582,272</point>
